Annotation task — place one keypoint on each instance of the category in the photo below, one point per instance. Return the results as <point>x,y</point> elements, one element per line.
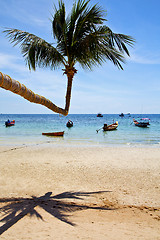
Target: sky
<point>105,89</point>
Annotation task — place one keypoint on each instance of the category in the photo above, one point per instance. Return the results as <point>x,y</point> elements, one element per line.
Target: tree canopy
<point>79,37</point>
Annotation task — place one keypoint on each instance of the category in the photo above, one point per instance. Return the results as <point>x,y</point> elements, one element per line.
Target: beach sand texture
<point>59,192</point>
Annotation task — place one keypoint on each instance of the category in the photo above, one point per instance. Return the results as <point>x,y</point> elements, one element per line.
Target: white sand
<point>103,193</point>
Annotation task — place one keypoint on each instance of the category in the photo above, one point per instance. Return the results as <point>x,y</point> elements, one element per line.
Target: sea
<point>28,130</point>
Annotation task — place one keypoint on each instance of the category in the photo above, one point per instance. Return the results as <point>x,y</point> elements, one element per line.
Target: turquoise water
<point>29,127</point>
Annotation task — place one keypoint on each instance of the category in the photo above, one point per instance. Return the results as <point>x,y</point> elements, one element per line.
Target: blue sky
<point>106,89</point>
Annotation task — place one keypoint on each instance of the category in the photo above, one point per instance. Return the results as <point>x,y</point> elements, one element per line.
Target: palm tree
<point>81,37</point>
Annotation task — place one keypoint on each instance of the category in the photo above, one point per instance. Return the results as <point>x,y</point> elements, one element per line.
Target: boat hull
<point>143,125</point>
<point>69,124</point>
<point>99,115</point>
<point>110,127</point>
<point>140,124</point>
<point>54,134</point>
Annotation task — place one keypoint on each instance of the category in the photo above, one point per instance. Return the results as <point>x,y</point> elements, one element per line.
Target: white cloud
<point>144,58</point>
<point>11,62</point>
<point>25,13</point>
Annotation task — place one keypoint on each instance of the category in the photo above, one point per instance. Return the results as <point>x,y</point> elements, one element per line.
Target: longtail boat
<point>140,123</point>
<point>110,127</point>
<point>54,134</point>
<point>9,123</point>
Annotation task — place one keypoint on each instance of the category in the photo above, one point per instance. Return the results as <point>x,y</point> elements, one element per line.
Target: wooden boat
<point>9,123</point>
<point>140,123</point>
<point>54,134</point>
<point>69,124</point>
<point>110,127</point>
<point>99,115</point>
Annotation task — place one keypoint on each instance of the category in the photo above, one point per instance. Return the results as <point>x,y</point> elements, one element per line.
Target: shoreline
<point>109,188</point>
<point>60,142</point>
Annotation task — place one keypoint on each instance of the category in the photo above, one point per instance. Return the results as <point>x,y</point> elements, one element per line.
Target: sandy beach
<point>60,192</point>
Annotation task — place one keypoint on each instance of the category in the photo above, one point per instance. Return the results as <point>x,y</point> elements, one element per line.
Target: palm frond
<point>95,48</point>
<point>119,40</point>
<point>83,21</point>
<point>58,22</point>
<point>97,53</point>
<point>91,41</point>
<point>81,37</point>
<point>76,12</point>
<point>35,50</point>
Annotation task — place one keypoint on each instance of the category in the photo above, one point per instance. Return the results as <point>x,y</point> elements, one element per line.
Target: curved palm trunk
<point>6,82</point>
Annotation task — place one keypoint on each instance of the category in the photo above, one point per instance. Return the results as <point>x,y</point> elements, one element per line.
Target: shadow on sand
<point>59,206</point>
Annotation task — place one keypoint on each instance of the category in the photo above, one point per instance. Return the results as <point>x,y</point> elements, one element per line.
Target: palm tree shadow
<point>58,206</point>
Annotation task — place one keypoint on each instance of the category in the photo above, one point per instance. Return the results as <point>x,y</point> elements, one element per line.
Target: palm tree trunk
<point>7,83</point>
<point>68,94</point>
<point>70,71</point>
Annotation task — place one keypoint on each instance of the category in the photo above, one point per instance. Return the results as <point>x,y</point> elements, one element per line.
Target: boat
<point>54,134</point>
<point>69,124</point>
<point>9,123</point>
<point>146,120</point>
<point>110,127</point>
<point>121,115</point>
<point>140,123</point>
<point>99,115</point>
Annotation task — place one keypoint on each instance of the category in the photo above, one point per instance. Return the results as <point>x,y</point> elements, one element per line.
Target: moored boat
<point>110,127</point>
<point>54,134</point>
<point>140,123</point>
<point>10,123</point>
<point>69,124</point>
<point>99,115</point>
<point>146,120</point>
<point>121,115</point>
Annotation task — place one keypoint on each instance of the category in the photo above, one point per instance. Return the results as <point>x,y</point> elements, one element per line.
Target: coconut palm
<point>81,37</point>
